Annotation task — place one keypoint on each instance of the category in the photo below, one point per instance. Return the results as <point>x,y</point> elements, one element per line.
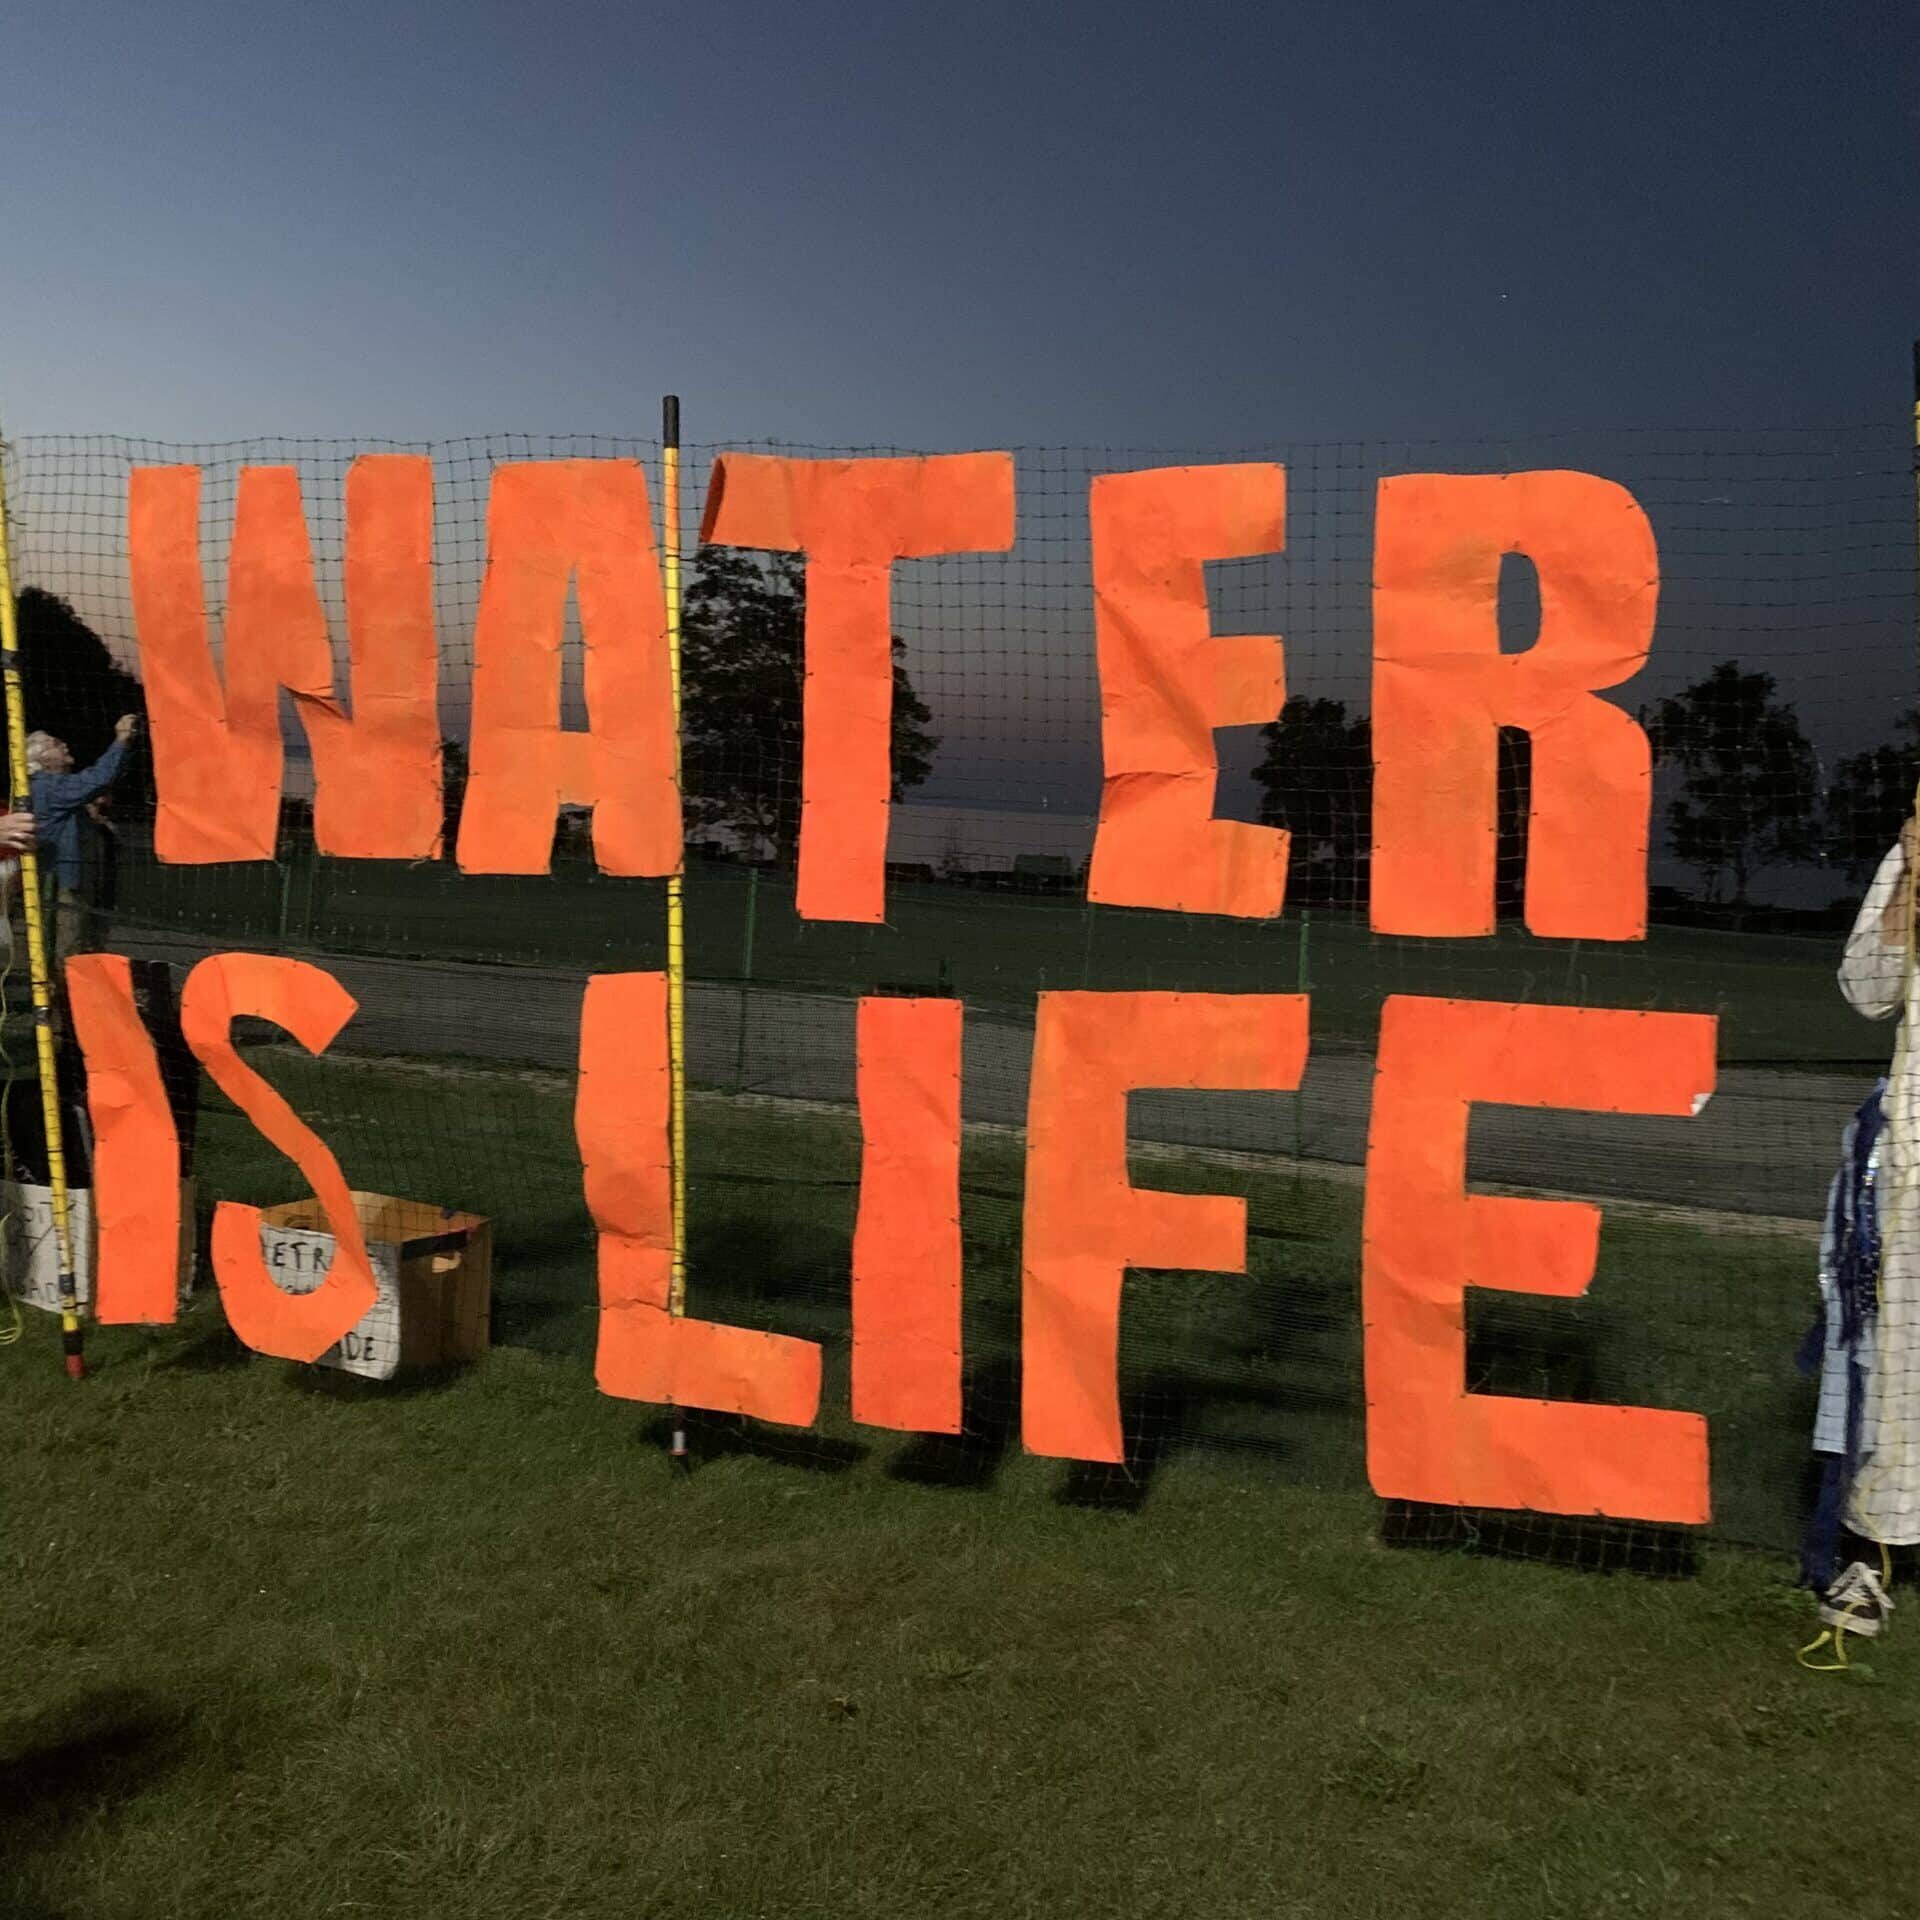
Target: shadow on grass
<point>330,1383</point>
<point>1532,1350</point>
<point>69,1766</point>
<point>1157,1418</point>
<point>720,1436</point>
<point>989,1424</point>
<point>545,1323</point>
<point>738,1270</point>
<point>1587,1544</point>
<point>213,1350</point>
<point>544,1296</point>
<point>1246,1367</point>
<point>773,1257</point>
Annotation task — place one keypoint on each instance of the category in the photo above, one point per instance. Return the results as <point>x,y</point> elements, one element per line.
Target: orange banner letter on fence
<point>853,519</point>
<point>1427,1240</point>
<point>1085,1225</point>
<point>312,1006</point>
<point>549,521</point>
<point>1442,690</point>
<point>906,1238</point>
<point>646,1351</point>
<point>136,1148</point>
<point>1167,680</point>
<point>217,749</point>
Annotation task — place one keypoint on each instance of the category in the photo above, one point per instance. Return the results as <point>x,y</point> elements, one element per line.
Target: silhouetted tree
<point>1513,791</point>
<point>1749,781</point>
<point>1870,798</point>
<point>76,690</point>
<point>1316,780</point>
<point>295,837</point>
<point>453,789</point>
<point>742,664</point>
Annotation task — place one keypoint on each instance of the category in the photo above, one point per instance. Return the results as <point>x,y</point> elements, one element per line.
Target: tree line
<point>1747,791</point>
<point>1746,783</point>
<point>73,688</point>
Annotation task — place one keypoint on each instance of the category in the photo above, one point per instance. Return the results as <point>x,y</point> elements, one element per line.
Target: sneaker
<point>1856,1602</point>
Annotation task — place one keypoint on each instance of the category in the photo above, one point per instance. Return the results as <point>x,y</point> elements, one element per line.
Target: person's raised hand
<point>126,726</point>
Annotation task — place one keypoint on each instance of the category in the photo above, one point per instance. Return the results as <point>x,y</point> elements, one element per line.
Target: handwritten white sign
<point>32,1248</point>
<point>300,1258</point>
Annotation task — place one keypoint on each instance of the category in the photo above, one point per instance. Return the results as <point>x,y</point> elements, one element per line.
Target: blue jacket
<point>58,803</point>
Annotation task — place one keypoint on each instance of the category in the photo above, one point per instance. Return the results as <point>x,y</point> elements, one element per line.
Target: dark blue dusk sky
<point>984,225</point>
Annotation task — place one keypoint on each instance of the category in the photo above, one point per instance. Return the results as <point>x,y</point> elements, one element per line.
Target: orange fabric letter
<point>645,1350</point>
<point>378,793</point>
<point>853,519</point>
<point>549,521</point>
<point>1085,1224</point>
<point>1427,1240</point>
<point>136,1148</point>
<point>1167,680</point>
<point>217,747</point>
<point>312,1006</point>
<point>906,1238</point>
<point>1442,690</point>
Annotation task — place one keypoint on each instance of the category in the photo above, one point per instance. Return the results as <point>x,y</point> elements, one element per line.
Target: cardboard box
<point>32,1253</point>
<point>433,1268</point>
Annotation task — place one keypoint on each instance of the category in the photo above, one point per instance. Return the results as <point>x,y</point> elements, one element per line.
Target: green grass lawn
<point>282,1644</point>
<point>1776,994</point>
<point>1263,1367</point>
<point>274,1649</point>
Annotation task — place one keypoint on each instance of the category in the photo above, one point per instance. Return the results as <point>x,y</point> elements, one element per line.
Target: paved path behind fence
<point>1765,1144</point>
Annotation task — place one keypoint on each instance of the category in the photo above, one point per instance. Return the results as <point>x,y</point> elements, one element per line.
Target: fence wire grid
<point>1781,698</point>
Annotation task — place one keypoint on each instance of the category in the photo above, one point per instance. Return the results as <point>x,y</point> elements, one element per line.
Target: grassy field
<point>282,1644</point>
<point>274,1650</point>
<point>1775,993</point>
<point>1262,1368</point>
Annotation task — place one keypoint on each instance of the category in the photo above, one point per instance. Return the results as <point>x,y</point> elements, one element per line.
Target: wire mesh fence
<point>1780,699</point>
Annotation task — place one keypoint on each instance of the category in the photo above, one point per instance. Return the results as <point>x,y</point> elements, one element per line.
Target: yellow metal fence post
<point>676,883</point>
<point>33,906</point>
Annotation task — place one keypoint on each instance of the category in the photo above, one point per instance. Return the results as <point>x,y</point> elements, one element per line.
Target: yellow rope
<point>1837,1636</point>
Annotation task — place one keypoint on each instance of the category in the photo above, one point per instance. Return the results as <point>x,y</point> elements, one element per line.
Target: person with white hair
<point>59,798</point>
